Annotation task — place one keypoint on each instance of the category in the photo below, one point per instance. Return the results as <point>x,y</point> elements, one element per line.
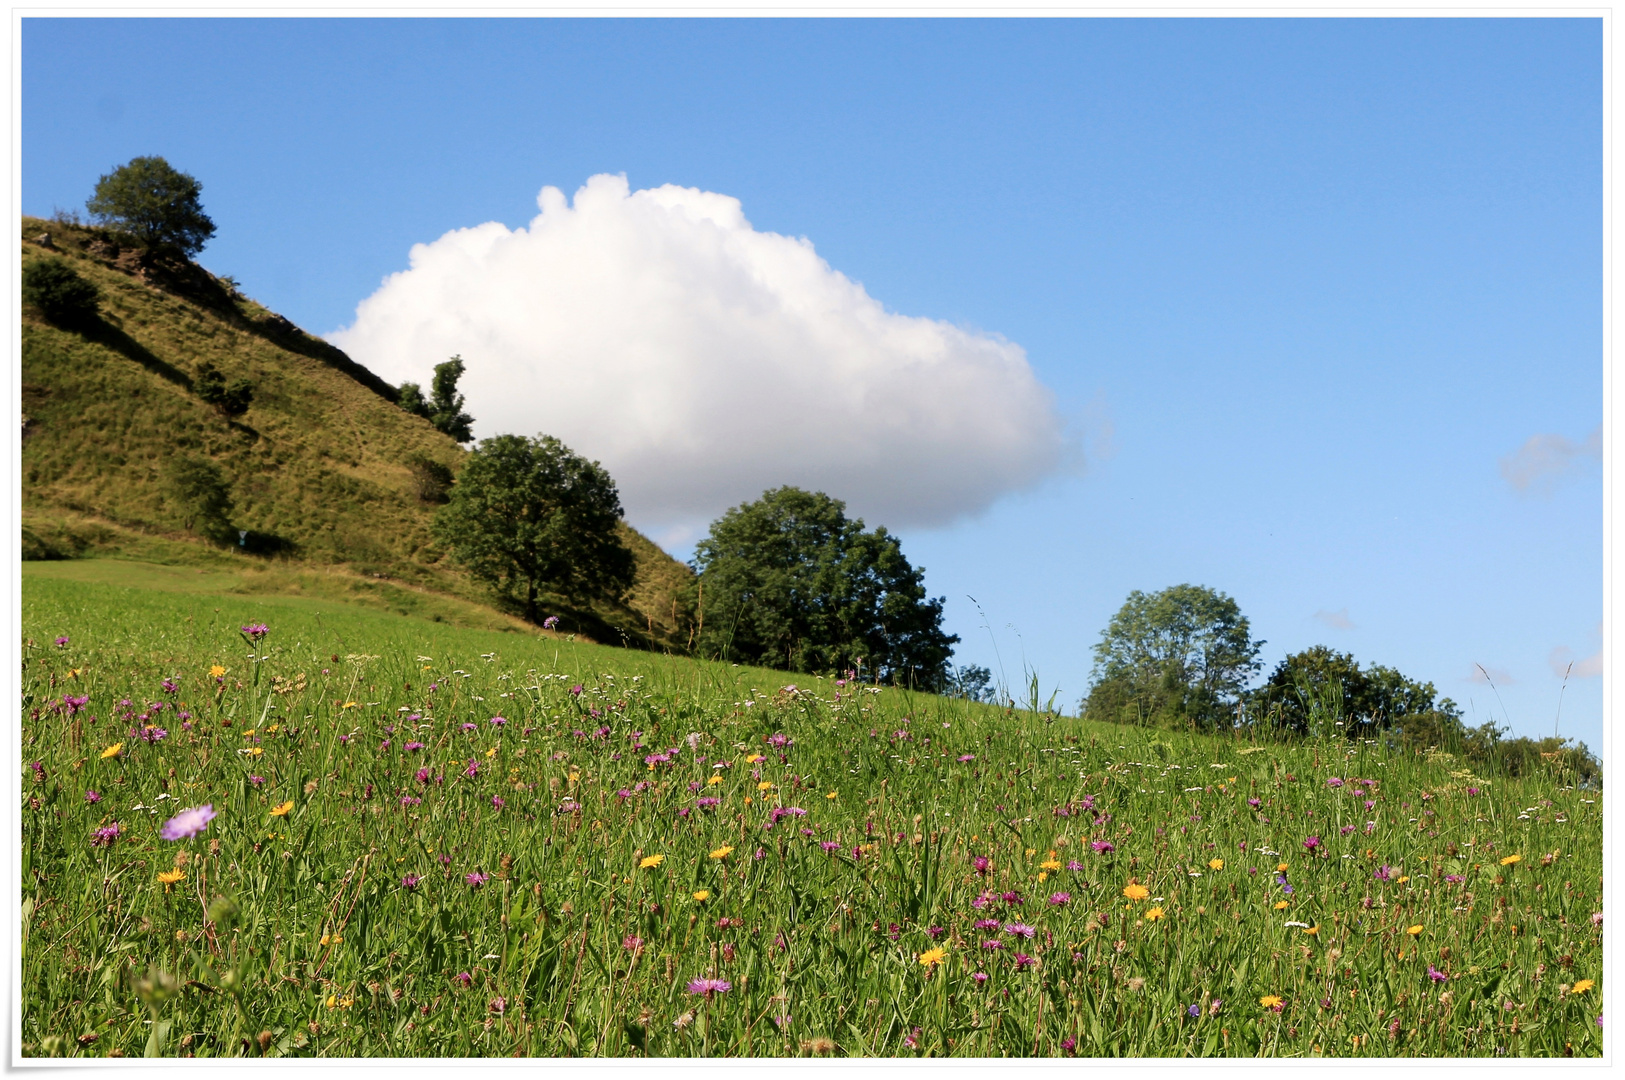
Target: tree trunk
<point>530,602</point>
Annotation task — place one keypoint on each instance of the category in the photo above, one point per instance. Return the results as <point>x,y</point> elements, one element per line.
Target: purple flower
<point>576,690</point>
<point>936,932</point>
<point>1472,791</point>
<point>498,721</point>
<point>411,882</point>
<point>1194,1011</point>
<point>499,1005</point>
<point>980,863</point>
<point>1311,842</point>
<point>1369,803</point>
<point>255,631</point>
<point>93,797</point>
<point>1345,830</point>
<point>170,686</point>
<point>993,944</point>
<point>1059,899</point>
<point>188,823</point>
<point>410,800</point>
<point>707,803</point>
<point>779,740</point>
<point>1012,899</point>
<point>473,769</point>
<point>1213,1007</point>
<point>153,733</point>
<point>967,757</point>
<point>256,780</point>
<point>496,801</point>
<point>831,845</point>
<point>1069,1044</point>
<point>422,775</point>
<point>39,769</point>
<point>476,879</point>
<point>1254,803</point>
<point>470,726</point>
<point>632,944</point>
<point>1596,916</point>
<point>709,986</point>
<point>74,704</point>
<point>979,977</point>
<point>1436,975</point>
<point>1019,929</point>
<point>1334,782</point>
<point>1023,961</point>
<point>464,978</point>
<point>1453,879</point>
<point>1103,847</point>
<point>105,836</point>
<point>550,622</point>
<point>987,924</point>
<point>1383,872</point>
<point>62,641</point>
<point>412,747</point>
<point>1074,864</point>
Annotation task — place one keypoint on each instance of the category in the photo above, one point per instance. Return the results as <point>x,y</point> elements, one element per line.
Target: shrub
<point>202,496</point>
<point>431,479</point>
<point>231,398</point>
<point>59,293</point>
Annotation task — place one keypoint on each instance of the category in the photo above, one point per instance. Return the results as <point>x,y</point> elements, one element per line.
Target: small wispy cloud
<point>1544,461</point>
<point>1337,620</point>
<point>1562,657</point>
<point>1491,675</point>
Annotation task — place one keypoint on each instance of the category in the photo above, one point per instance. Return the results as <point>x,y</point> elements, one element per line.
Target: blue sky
<point>1301,290</point>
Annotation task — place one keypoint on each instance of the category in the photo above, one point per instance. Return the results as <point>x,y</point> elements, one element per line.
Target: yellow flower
<point>249,734</point>
<point>332,939</point>
<point>282,810</point>
<point>1281,869</point>
<point>1280,905</point>
<point>1136,891</point>
<point>113,751</point>
<point>703,895</point>
<point>215,671</point>
<point>1050,864</point>
<point>765,785</point>
<point>754,758</point>
<point>1031,852</point>
<point>335,1002</point>
<point>350,705</point>
<point>831,795</point>
<point>1404,879</point>
<point>747,800</point>
<point>1582,986</point>
<point>491,752</point>
<point>1043,876</point>
<point>933,956</point>
<point>254,751</point>
<point>1269,1001</point>
<point>1215,864</point>
<point>1414,930</point>
<point>722,852</point>
<point>574,777</point>
<point>1311,930</point>
<point>273,729</point>
<point>1510,859</point>
<point>1154,914</point>
<point>714,780</point>
<point>650,861</point>
<point>170,877</point>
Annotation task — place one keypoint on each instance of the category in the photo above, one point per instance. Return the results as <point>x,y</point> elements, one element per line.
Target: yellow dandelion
<point>1050,864</point>
<point>249,734</point>
<point>747,800</point>
<point>1582,986</point>
<point>351,705</point>
<point>1215,864</point>
<point>1414,930</point>
<point>1154,914</point>
<point>332,939</point>
<point>491,752</point>
<point>113,751</point>
<point>1311,930</point>
<point>650,861</point>
<point>1269,1001</point>
<point>215,671</point>
<point>934,956</point>
<point>1135,891</point>
<point>574,777</point>
<point>754,758</point>
<point>1281,868</point>
<point>831,795</point>
<point>1043,876</point>
<point>1404,879</point>
<point>1031,852</point>
<point>170,877</point>
<point>1510,859</point>
<point>703,895</point>
<point>282,810</point>
<point>722,852</point>
<point>1280,905</point>
<point>714,780</point>
<point>254,751</point>
<point>765,785</point>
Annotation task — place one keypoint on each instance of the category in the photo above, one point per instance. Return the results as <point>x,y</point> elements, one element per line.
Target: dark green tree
<point>527,516</point>
<point>154,203</point>
<point>57,291</point>
<point>201,495</point>
<point>1179,657</point>
<point>445,409</point>
<point>1376,698</point>
<point>231,398</point>
<point>789,581</point>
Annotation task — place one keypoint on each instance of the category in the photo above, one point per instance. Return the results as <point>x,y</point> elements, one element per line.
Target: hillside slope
<point>318,465</point>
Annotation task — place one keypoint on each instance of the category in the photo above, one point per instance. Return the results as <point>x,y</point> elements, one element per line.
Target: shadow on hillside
<point>105,333</point>
<point>284,334</point>
<point>266,545</point>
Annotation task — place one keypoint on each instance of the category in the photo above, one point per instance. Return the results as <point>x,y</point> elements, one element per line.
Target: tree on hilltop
<point>445,409</point>
<point>789,581</point>
<point>528,515</point>
<point>154,203</point>
<point>1176,657</point>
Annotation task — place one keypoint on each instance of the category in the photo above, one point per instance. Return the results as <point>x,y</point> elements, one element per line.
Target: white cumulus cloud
<point>702,362</point>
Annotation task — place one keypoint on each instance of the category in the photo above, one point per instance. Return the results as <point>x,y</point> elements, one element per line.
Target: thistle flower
<point>254,632</point>
<point>709,986</point>
<point>188,823</point>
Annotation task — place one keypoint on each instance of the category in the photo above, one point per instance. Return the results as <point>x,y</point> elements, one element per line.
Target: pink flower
<point>1060,898</point>
<point>1311,842</point>
<point>709,986</point>
<point>188,823</point>
<point>476,879</point>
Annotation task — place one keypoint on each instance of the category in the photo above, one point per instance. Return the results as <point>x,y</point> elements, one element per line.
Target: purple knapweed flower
<point>470,726</point>
<point>1370,804</point>
<point>499,1005</point>
<point>476,879</point>
<point>1254,803</point>
<point>1074,864</point>
<point>1383,872</point>
<point>993,943</point>
<point>830,845</point>
<point>255,631</point>
<point>413,747</point>
<point>153,733</point>
<point>1102,847</point>
<point>188,823</point>
<point>575,690</point>
<point>39,769</point>
<point>709,986</point>
<point>410,800</point>
<point>497,802</point>
<point>1345,830</point>
<point>1311,842</point>
<point>256,780</point>
<point>463,978</point>
<point>74,704</point>
<point>935,932</point>
<point>978,977</point>
<point>1021,930</point>
<point>632,944</point>
<point>550,622</point>
<point>93,796</point>
<point>987,924</point>
<point>410,882</point>
<point>1012,899</point>
<point>498,721</point>
<point>105,836</point>
<point>62,641</point>
<point>1023,961</point>
<point>1436,975</point>
<point>473,769</point>
<point>1472,791</point>
<point>707,803</point>
<point>967,757</point>
<point>980,863</point>
<point>170,686</point>
<point>1453,879</point>
<point>1334,782</point>
<point>779,740</point>
<point>1060,899</point>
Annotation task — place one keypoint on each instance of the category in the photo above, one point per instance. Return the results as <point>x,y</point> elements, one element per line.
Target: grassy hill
<point>318,465</point>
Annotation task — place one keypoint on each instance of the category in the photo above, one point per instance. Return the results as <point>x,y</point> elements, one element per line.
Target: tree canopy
<point>154,203</point>
<point>527,516</point>
<point>1374,699</point>
<point>1176,657</point>
<point>445,408</point>
<point>789,581</point>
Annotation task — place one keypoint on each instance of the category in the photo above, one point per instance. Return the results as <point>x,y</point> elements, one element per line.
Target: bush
<point>231,398</point>
<point>431,479</point>
<point>202,496</point>
<point>59,293</point>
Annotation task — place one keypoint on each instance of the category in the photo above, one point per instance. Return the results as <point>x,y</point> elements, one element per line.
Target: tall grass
<point>1128,877</point>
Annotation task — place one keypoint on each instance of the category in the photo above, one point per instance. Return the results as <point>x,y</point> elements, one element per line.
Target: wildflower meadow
<point>272,827</point>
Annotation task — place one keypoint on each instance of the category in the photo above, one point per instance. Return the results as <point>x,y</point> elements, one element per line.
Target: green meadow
<point>440,840</point>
